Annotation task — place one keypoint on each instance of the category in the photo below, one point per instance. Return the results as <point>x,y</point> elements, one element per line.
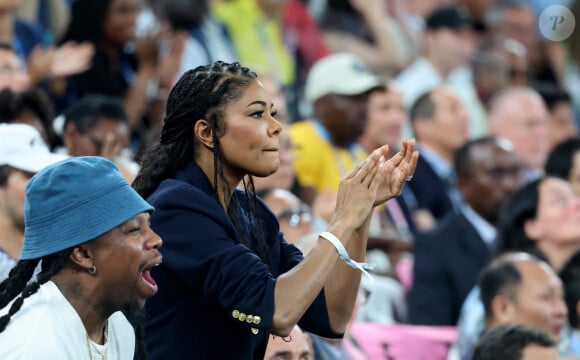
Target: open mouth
<point>148,279</point>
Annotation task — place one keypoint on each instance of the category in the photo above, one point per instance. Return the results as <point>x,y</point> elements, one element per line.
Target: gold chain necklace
<point>102,355</point>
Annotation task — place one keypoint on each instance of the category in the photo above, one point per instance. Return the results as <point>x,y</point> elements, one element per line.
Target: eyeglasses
<point>296,215</point>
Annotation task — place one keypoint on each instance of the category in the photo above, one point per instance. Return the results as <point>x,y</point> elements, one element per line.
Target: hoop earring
<point>93,270</point>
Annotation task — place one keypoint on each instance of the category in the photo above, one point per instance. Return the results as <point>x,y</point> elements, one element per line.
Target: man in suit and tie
<point>448,259</point>
<point>440,125</point>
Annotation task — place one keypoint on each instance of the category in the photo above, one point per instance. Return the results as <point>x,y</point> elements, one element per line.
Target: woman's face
<point>251,143</point>
<point>558,214</point>
<point>124,257</point>
<point>284,177</point>
<point>119,24</point>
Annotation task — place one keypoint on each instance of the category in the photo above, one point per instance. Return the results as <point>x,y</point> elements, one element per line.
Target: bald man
<point>520,115</point>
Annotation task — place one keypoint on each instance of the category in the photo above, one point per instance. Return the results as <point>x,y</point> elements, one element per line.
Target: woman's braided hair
<point>203,93</point>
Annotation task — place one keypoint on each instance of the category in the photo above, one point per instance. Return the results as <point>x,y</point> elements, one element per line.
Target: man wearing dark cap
<point>449,44</point>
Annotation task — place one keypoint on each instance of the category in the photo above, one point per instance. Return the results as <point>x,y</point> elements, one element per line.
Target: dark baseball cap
<point>450,17</point>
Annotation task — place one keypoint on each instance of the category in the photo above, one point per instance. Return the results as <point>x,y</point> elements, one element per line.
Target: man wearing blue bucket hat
<point>90,232</point>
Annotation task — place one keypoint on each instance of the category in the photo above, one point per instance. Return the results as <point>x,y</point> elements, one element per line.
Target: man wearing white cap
<point>337,86</point>
<point>22,154</point>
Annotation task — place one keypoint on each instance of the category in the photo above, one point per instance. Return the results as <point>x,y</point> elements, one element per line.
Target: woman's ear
<point>203,132</point>
<point>532,229</point>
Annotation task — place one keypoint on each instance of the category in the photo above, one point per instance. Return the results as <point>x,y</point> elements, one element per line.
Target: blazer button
<point>257,319</point>
<point>242,317</point>
<point>249,319</point>
<point>235,314</point>
<point>255,331</point>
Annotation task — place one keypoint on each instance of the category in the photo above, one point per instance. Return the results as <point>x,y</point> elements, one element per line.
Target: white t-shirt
<point>47,327</point>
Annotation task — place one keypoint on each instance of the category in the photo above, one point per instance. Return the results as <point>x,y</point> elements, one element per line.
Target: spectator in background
<point>564,162</point>
<point>516,19</point>
<point>97,125</point>
<point>338,87</point>
<point>296,347</point>
<point>296,219</point>
<point>14,75</point>
<point>520,289</point>
<point>448,48</point>
<point>22,154</point>
<point>561,125</point>
<point>205,38</point>
<point>392,226</point>
<point>289,39</point>
<point>515,342</point>
<point>110,25</point>
<point>53,16</point>
<point>519,115</point>
<point>53,65</point>
<point>441,125</point>
<point>32,107</point>
<point>449,258</point>
<point>365,29</point>
<point>541,219</point>
<point>44,61</point>
<point>499,63</point>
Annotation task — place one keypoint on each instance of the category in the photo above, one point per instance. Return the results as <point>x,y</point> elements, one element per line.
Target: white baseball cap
<point>22,147</point>
<point>341,73</point>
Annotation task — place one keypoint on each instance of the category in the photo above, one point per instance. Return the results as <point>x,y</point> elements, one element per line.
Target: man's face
<point>385,118</point>
<point>453,48</point>
<point>519,23</point>
<point>93,142</point>
<point>13,74</point>
<point>523,120</point>
<point>449,127</point>
<point>350,116</point>
<point>538,301</point>
<point>12,197</point>
<point>295,349</point>
<point>496,174</point>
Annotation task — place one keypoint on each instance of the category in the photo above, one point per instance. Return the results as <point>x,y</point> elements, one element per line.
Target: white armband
<point>343,255</point>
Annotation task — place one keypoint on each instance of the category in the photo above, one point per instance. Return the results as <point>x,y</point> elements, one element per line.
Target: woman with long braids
<point>89,231</point>
<point>228,278</point>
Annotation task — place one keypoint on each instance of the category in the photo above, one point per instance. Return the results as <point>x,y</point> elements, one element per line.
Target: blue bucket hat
<point>75,201</point>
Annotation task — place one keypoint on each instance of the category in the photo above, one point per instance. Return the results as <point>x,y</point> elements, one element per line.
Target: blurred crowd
<point>485,236</point>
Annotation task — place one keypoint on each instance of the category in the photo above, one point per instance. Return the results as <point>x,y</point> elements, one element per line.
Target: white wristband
<point>343,254</point>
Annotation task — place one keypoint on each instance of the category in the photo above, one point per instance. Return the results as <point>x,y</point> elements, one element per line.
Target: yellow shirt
<point>317,162</point>
<point>258,41</point>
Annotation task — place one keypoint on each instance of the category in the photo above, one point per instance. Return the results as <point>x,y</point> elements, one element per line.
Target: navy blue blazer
<point>216,296</point>
<point>430,191</point>
<point>448,260</point>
